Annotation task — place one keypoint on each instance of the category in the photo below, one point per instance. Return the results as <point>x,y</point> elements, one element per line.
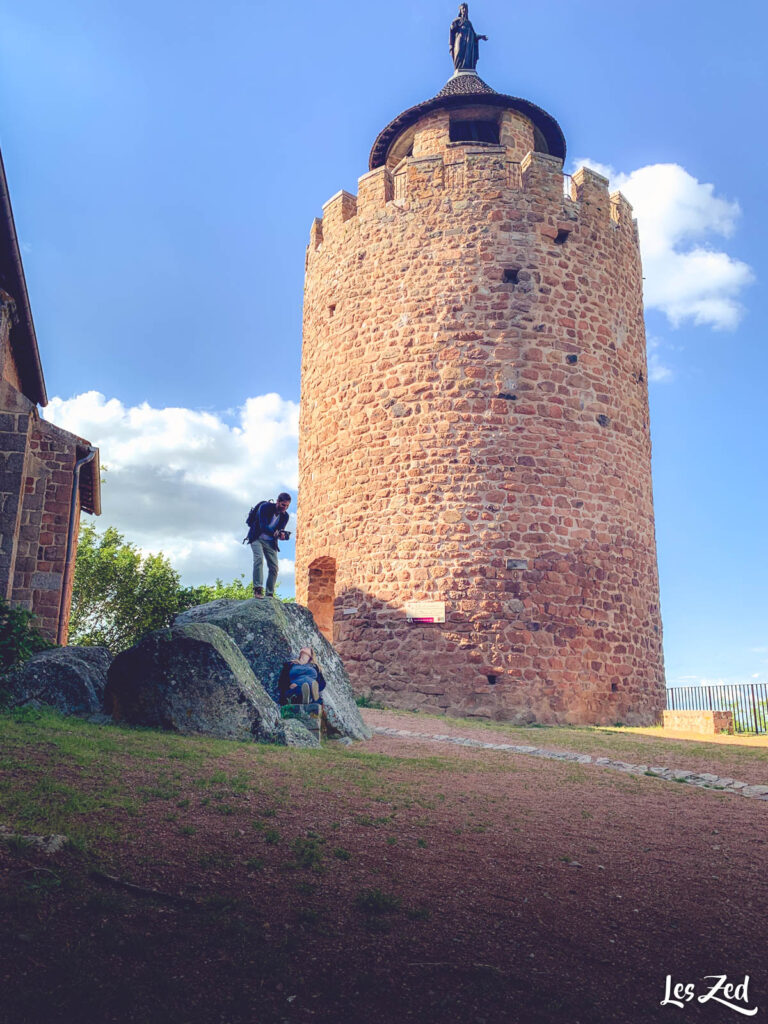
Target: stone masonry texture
<point>706,722</point>
<point>474,430</point>
<point>37,461</point>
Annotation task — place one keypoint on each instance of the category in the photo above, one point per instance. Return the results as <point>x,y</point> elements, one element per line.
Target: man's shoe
<point>315,691</point>
<point>305,693</point>
<point>258,591</point>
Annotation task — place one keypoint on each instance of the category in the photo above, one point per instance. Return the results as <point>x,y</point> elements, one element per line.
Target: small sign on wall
<point>425,611</point>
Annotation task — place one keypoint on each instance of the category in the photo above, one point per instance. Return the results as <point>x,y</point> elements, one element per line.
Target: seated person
<point>301,680</point>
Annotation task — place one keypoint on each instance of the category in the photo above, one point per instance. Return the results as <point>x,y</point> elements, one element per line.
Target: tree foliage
<point>237,590</point>
<point>119,594</point>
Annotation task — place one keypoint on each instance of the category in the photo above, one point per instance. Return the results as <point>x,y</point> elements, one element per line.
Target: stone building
<point>47,475</point>
<point>474,436</point>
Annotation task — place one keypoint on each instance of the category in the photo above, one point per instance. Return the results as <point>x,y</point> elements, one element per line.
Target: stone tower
<point>474,425</point>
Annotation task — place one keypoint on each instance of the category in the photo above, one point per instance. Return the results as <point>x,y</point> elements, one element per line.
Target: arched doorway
<point>321,592</point>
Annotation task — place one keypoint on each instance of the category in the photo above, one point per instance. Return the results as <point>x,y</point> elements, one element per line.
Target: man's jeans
<point>264,549</point>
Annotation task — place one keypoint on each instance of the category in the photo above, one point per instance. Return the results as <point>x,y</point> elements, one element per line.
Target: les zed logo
<point>721,992</point>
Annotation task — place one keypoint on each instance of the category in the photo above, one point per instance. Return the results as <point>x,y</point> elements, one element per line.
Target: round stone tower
<point>475,521</point>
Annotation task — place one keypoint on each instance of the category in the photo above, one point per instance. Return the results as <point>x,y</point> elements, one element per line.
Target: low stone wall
<point>708,722</point>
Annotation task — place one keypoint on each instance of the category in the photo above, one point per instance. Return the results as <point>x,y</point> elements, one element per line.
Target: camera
<point>285,535</point>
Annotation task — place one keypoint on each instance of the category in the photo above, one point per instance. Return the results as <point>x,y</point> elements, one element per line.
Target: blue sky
<point>165,163</point>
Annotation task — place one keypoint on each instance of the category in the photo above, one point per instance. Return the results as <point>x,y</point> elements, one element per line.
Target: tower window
<point>561,237</point>
<point>511,275</point>
<point>492,680</point>
<point>332,309</point>
<point>474,131</point>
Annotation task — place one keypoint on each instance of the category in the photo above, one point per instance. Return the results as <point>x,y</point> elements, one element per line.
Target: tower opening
<point>474,131</point>
<point>321,592</point>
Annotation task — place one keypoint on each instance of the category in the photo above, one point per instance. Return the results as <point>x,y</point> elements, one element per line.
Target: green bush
<point>19,639</point>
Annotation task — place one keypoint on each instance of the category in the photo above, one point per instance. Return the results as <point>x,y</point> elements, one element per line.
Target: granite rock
<point>269,633</point>
<point>191,679</point>
<point>69,679</point>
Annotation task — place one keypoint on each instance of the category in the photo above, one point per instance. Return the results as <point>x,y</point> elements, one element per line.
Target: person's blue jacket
<point>265,510</point>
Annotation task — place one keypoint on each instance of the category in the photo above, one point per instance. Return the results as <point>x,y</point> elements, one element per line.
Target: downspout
<point>70,538</point>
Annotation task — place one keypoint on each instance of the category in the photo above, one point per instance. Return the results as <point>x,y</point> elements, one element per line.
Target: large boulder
<point>296,734</point>
<point>70,679</point>
<point>192,679</point>
<point>269,633</point>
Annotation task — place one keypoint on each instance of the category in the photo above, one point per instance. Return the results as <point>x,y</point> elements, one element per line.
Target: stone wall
<point>706,722</point>
<point>40,563</point>
<point>37,461</point>
<point>16,413</point>
<point>474,430</point>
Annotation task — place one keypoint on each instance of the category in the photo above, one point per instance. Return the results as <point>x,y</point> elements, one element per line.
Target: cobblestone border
<point>704,780</point>
<point>47,844</point>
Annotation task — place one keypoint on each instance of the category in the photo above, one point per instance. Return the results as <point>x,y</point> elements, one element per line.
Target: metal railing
<point>747,701</point>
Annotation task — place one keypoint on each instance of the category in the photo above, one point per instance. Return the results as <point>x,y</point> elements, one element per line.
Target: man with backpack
<point>266,526</point>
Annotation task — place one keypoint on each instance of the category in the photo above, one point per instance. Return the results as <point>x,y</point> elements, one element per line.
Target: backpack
<point>252,522</point>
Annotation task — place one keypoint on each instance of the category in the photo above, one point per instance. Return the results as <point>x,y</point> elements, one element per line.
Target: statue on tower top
<point>464,41</point>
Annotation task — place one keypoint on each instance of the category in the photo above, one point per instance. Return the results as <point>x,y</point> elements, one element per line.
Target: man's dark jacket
<point>265,510</point>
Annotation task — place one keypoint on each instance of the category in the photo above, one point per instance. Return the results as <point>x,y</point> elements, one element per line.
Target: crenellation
<point>590,190</point>
<point>316,234</point>
<point>475,170</point>
<point>423,175</point>
<point>542,175</point>
<point>339,209</point>
<point>374,190</point>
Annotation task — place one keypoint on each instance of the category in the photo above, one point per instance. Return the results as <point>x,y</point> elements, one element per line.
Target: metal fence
<point>747,701</point>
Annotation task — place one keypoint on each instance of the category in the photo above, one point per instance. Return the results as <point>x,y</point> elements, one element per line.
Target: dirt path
<point>490,741</point>
<point>743,758</point>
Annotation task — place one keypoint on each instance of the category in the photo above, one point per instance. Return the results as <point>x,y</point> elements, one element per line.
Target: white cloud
<point>181,481</point>
<point>658,371</point>
<point>685,277</point>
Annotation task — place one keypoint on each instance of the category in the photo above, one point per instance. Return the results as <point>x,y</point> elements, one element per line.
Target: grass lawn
<point>398,880</point>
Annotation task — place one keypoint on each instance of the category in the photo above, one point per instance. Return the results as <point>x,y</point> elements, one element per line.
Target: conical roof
<point>466,83</point>
<point>464,89</point>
